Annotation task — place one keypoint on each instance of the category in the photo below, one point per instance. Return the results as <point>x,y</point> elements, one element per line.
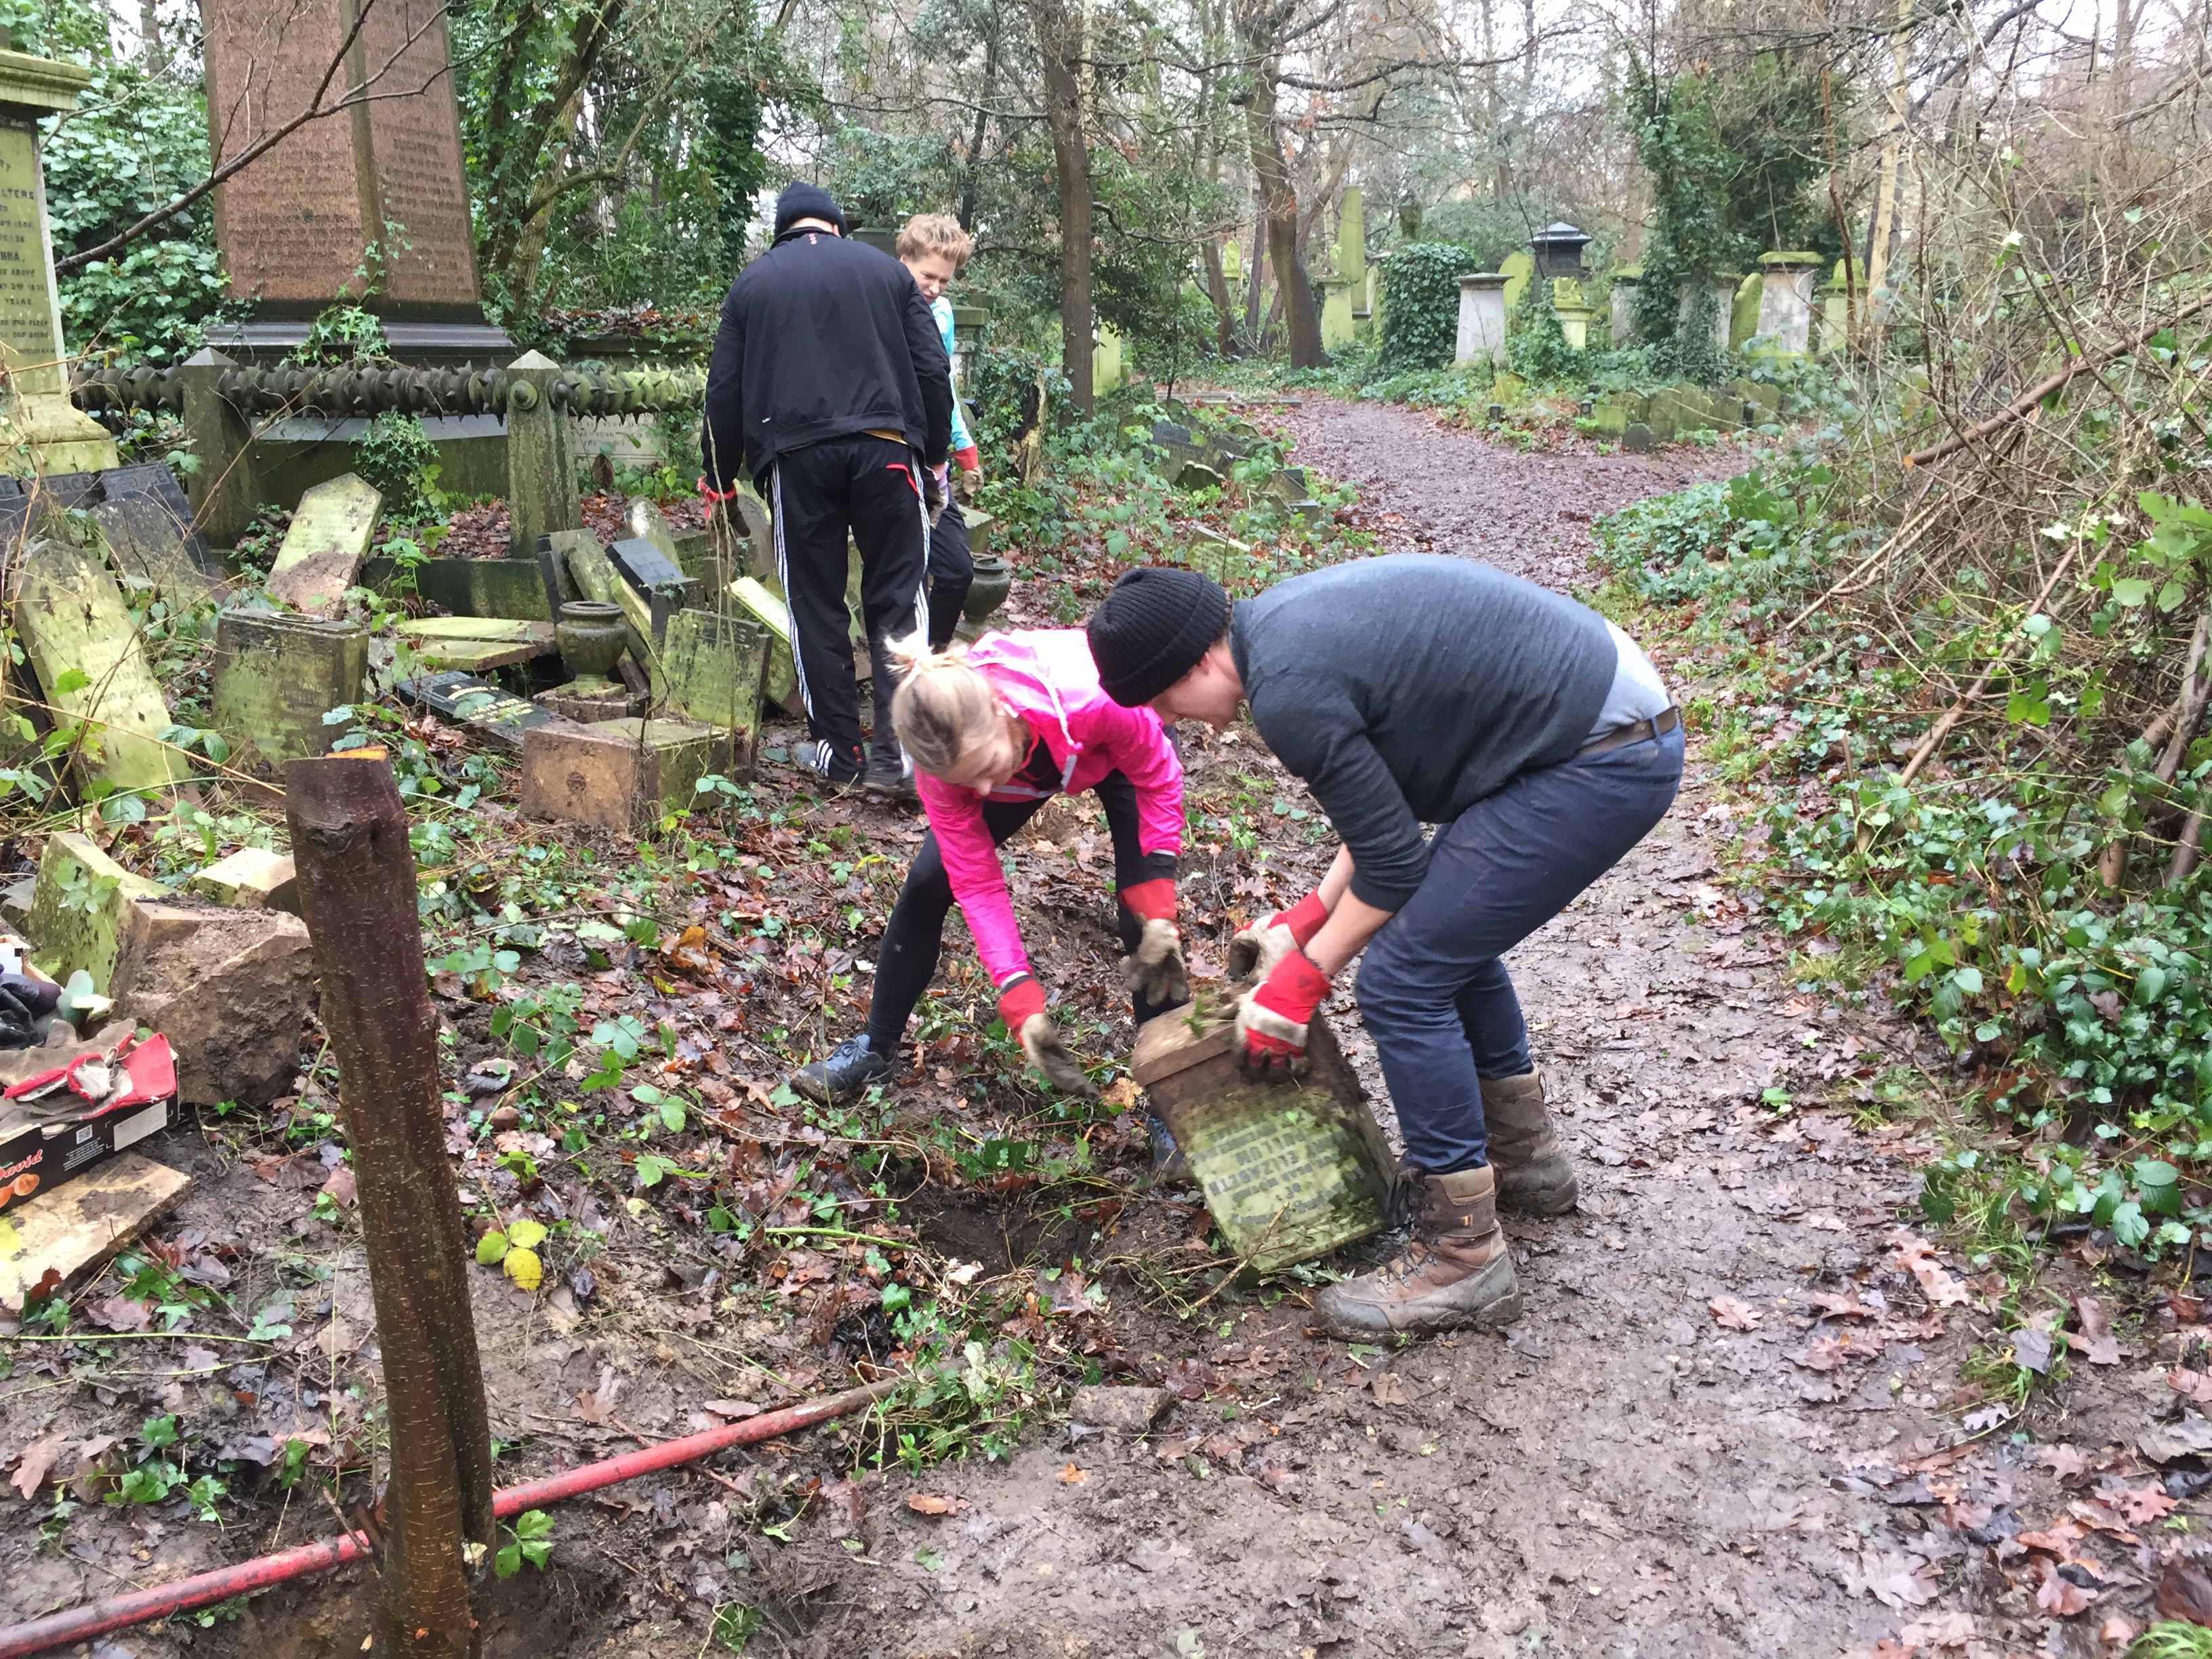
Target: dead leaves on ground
<point>1730,1315</point>
<point>923,1503</point>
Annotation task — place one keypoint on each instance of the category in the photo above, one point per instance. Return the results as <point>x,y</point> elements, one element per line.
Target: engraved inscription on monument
<point>26,291</point>
<point>299,227</point>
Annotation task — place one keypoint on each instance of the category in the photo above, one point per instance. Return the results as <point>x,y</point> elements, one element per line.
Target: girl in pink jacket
<point>995,730</point>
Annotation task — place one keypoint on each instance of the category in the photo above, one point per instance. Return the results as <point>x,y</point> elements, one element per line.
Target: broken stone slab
<point>476,645</point>
<point>614,703</point>
<point>780,683</point>
<point>276,675</point>
<point>1197,475</point>
<point>61,1238</point>
<point>1125,1410</point>
<point>230,988</point>
<point>78,908</point>
<point>461,699</point>
<point>715,665</point>
<point>514,588</point>
<point>252,879</point>
<point>619,775</point>
<point>333,530</point>
<point>89,660</point>
<point>645,565</point>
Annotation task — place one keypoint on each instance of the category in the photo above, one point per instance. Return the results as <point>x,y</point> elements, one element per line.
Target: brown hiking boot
<point>1535,1177</point>
<point>1454,1272</point>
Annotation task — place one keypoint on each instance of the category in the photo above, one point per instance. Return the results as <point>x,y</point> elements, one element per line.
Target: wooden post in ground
<point>356,877</point>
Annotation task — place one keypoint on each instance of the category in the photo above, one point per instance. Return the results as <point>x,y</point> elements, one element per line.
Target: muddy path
<point>1721,1428</point>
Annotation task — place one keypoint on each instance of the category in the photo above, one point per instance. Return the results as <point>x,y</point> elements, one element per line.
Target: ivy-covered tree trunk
<point>357,897</point>
<point>1059,42</point>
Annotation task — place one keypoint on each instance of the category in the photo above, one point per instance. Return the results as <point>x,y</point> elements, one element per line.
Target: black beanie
<point>801,200</point>
<point>1155,625</point>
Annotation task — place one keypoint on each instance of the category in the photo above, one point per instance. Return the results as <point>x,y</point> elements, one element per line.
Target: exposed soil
<point>1732,1420</point>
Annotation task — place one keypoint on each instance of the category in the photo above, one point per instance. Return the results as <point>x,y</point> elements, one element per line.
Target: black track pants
<point>869,488</point>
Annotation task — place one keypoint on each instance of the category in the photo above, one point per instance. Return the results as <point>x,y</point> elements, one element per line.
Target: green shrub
<point>1420,305</point>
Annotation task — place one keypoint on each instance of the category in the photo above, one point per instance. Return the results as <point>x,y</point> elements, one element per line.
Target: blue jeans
<point>1432,990</point>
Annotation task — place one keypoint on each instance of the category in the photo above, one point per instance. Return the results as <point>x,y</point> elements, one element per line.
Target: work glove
<point>1154,972</point>
<point>1263,945</point>
<point>1271,1019</point>
<point>933,492</point>
<point>969,484</point>
<point>1021,1005</point>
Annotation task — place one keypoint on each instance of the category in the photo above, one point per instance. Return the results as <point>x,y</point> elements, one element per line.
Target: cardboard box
<point>40,1153</point>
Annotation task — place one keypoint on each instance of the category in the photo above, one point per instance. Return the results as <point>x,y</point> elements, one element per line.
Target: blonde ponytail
<point>942,707</point>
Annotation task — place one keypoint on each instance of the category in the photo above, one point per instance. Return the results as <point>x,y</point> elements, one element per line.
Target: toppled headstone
<point>229,988</point>
<point>252,879</point>
<point>79,907</point>
<point>496,716</point>
<point>140,510</point>
<point>1197,475</point>
<point>618,775</point>
<point>645,565</point>
<point>333,530</point>
<point>276,675</point>
<point>714,666</point>
<point>476,645</point>
<point>89,661</point>
<point>645,521</point>
<point>1289,1171</point>
<point>780,683</point>
<point>1125,1410</point>
<point>1222,557</point>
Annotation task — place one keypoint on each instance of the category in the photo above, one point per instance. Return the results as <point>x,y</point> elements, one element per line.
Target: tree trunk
<point>1279,197</point>
<point>1059,42</point>
<point>357,897</point>
<point>1217,289</point>
<point>972,173</point>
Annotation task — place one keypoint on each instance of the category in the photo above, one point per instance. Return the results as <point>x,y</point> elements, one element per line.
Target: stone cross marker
<point>372,199</point>
<point>40,430</point>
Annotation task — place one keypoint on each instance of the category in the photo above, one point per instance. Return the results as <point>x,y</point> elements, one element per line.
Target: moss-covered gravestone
<point>715,665</point>
<point>77,910</point>
<point>276,675</point>
<point>1290,1171</point>
<point>331,533</point>
<point>89,661</point>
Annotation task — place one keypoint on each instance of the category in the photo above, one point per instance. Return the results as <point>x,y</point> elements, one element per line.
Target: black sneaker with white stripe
<point>838,771</point>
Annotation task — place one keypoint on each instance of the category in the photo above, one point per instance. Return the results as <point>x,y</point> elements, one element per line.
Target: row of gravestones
<point>1191,462</point>
<point>1638,420</point>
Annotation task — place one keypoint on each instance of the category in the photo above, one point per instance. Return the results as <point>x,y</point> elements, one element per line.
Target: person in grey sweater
<point>1408,691</point>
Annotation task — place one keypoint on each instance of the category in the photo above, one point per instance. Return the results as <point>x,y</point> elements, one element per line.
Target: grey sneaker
<point>851,1067</point>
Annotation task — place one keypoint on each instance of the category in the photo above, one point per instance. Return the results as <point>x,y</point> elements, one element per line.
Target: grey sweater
<point>1405,688</point>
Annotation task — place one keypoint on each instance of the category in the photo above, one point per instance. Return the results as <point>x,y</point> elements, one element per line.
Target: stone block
<point>74,924</point>
<point>230,988</point>
<point>333,530</point>
<point>1636,439</point>
<point>252,879</point>
<point>617,776</point>
<point>1124,1409</point>
<point>276,675</point>
<point>613,704</point>
<point>88,659</point>
<point>1612,418</point>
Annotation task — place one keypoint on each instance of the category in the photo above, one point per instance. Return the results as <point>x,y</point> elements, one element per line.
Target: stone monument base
<point>418,345</point>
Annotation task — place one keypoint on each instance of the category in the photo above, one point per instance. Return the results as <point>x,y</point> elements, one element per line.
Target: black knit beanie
<point>801,200</point>
<point>1155,625</point>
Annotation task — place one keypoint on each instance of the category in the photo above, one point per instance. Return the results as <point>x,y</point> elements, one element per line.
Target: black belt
<point>1637,732</point>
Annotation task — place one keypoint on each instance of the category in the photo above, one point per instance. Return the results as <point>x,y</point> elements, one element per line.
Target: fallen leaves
<point>35,1462</point>
<point>2096,1340</point>
<point>1916,1256</point>
<point>923,1503</point>
<point>1730,1315</point>
<point>1387,1389</point>
<point>1897,1580</point>
<point>1073,1475</point>
<point>2139,1505</point>
<point>2060,1596</point>
<point>2184,1593</point>
<point>2190,1385</point>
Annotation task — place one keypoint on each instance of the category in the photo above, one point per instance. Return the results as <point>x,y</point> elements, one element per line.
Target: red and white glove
<point>1021,1005</point>
<point>1272,1019</point>
<point>1154,972</point>
<point>1265,943</point>
<point>968,460</point>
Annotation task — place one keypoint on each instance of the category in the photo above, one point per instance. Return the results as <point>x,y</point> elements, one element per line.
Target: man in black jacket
<point>829,383</point>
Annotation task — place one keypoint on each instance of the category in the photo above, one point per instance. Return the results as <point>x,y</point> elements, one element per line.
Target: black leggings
<point>906,961</point>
